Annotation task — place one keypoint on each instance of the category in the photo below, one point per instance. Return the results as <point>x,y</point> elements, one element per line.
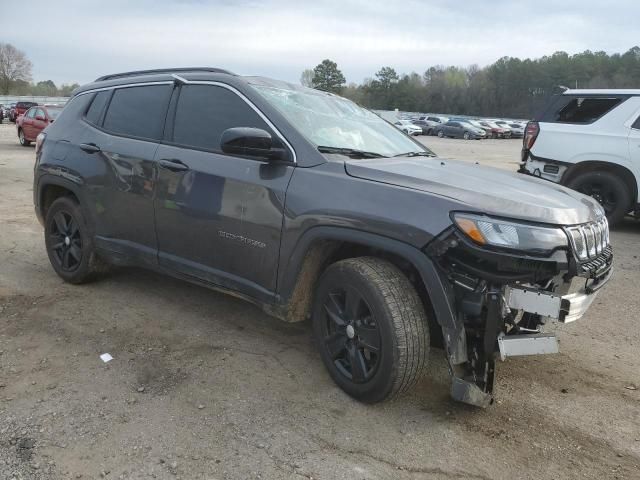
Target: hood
<point>482,189</point>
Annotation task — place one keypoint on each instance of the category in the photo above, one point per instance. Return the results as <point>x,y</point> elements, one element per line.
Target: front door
<point>218,216</point>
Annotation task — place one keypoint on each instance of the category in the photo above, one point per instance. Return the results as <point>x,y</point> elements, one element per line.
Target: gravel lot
<point>204,386</point>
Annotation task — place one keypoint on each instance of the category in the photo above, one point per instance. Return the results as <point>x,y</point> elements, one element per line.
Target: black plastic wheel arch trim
<point>437,285</point>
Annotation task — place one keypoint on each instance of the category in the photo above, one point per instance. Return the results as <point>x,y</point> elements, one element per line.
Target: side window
<point>585,109</point>
<point>94,112</point>
<point>31,113</point>
<point>636,124</point>
<point>40,112</point>
<point>138,111</point>
<point>205,111</point>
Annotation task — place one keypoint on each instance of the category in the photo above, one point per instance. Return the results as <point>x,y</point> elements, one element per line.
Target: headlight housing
<point>513,235</point>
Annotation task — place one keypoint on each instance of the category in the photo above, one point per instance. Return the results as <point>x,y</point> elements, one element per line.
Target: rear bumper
<point>544,168</point>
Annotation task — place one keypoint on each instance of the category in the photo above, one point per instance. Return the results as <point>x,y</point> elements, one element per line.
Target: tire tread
<point>407,315</point>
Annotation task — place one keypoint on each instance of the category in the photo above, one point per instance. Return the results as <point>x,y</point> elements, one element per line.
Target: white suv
<point>589,140</point>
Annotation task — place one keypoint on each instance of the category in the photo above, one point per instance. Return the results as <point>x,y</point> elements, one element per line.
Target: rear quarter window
<point>94,113</point>
<point>580,109</point>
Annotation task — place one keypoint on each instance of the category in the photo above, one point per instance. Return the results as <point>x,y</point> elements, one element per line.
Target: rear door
<point>218,217</point>
<point>119,138</point>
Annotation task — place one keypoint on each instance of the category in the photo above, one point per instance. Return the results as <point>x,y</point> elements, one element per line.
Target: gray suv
<point>313,208</point>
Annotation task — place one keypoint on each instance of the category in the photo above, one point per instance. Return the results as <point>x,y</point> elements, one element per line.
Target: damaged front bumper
<point>503,301</point>
<point>563,308</point>
<point>550,307</point>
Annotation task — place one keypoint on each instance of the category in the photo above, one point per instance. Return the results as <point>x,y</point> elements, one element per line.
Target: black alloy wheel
<point>65,241</point>
<point>370,327</point>
<point>351,334</point>
<point>70,246</point>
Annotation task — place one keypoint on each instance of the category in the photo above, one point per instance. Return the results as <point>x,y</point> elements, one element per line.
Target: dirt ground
<point>204,386</point>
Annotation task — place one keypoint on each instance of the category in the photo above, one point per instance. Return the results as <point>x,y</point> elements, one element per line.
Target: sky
<point>79,40</point>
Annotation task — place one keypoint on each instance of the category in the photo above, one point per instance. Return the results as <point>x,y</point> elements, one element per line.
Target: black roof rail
<point>163,70</point>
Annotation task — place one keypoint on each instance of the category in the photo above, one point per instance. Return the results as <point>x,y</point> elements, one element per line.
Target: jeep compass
<point>312,207</point>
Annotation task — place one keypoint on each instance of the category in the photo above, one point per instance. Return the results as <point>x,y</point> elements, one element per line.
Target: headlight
<point>507,234</point>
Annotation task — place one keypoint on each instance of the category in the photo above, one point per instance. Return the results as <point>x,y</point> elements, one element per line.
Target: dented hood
<point>482,189</point>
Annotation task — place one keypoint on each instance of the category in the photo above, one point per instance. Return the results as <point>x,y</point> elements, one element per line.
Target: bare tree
<point>306,79</point>
<point>14,66</point>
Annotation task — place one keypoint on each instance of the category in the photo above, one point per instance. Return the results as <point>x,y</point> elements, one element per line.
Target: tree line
<point>16,77</point>
<point>510,87</point>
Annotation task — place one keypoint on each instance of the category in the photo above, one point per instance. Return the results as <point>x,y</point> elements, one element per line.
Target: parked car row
<point>14,110</point>
<point>461,127</point>
<point>5,111</point>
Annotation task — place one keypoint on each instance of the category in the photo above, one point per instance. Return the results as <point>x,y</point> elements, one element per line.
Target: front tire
<point>69,245</point>
<point>608,189</point>
<point>23,141</point>
<point>466,136</point>
<point>440,134</point>
<point>371,328</point>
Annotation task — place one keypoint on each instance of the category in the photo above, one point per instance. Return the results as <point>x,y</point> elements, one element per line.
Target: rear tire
<point>608,189</point>
<point>23,141</point>
<point>371,328</point>
<point>69,244</point>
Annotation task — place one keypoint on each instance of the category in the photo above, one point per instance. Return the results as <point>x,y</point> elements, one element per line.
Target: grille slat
<point>598,234</point>
<point>590,240</point>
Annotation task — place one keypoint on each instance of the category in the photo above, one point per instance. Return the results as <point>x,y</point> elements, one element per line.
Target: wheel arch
<point>319,247</point>
<point>51,188</point>
<point>624,173</point>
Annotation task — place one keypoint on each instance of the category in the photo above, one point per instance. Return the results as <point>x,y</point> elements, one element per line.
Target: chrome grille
<point>598,231</point>
<point>590,239</point>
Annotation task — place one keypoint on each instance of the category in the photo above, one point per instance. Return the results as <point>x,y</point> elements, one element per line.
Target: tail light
<point>40,141</point>
<point>530,135</point>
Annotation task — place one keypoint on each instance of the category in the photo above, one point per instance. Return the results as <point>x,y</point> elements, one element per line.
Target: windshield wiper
<point>416,154</point>
<point>349,152</point>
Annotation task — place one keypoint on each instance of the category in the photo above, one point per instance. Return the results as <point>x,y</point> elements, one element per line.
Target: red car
<point>34,121</point>
<point>20,108</point>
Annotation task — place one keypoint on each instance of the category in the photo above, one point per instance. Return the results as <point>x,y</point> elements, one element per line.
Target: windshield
<point>331,121</point>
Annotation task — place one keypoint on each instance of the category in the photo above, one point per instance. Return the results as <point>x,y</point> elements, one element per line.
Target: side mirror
<point>40,117</point>
<point>251,142</point>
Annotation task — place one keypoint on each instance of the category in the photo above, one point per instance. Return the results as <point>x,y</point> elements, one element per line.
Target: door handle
<point>89,147</point>
<point>173,164</point>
